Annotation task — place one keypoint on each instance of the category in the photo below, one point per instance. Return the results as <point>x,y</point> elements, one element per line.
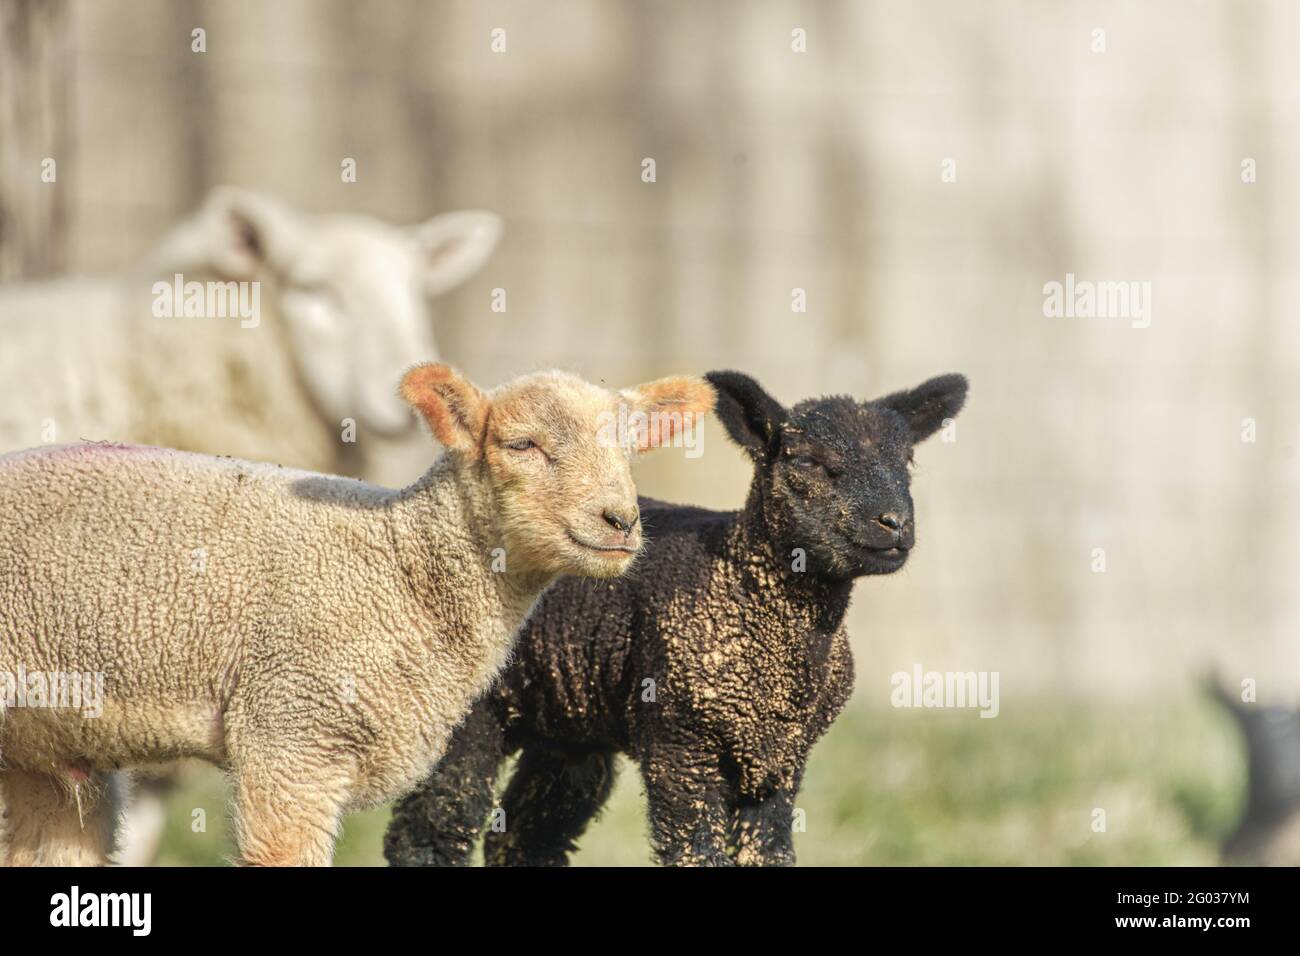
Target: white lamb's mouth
<point>601,549</point>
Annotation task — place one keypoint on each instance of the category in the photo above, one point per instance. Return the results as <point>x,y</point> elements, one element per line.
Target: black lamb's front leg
<point>688,805</point>
<point>549,802</point>
<point>438,823</point>
<point>762,831</point>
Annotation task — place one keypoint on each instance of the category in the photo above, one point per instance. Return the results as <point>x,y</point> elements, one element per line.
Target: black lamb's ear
<point>751,416</point>
<point>930,404</point>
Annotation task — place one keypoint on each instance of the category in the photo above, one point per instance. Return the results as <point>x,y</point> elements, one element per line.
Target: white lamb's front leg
<point>289,807</point>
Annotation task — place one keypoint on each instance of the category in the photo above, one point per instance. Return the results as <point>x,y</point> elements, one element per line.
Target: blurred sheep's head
<point>558,472</point>
<point>352,291</point>
<point>833,475</point>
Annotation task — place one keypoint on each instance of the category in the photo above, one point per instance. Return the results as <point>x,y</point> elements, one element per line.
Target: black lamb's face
<point>835,472</point>
<point>840,487</point>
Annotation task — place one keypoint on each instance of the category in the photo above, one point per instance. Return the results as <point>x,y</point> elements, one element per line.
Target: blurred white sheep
<point>343,311</point>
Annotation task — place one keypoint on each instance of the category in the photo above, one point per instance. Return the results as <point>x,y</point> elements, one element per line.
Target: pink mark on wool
<point>82,451</point>
<point>106,447</point>
<point>83,457</point>
<point>75,772</point>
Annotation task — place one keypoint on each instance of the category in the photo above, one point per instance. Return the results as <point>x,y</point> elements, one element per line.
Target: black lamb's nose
<point>892,520</point>
<point>621,522</point>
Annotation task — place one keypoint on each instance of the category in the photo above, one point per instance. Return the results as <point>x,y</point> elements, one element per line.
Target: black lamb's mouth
<point>895,550</point>
<point>601,549</point>
<point>894,554</point>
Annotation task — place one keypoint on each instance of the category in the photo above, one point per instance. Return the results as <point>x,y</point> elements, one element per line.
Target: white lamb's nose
<point>621,519</point>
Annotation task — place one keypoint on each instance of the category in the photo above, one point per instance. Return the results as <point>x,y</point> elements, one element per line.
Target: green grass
<point>917,787</point>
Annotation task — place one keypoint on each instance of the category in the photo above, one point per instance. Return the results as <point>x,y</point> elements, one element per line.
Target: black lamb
<point>715,664</point>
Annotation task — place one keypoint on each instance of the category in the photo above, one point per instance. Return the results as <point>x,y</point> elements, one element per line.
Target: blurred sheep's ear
<point>455,245</point>
<point>672,406</point>
<point>452,405</point>
<point>247,230</point>
<point>752,417</point>
<point>929,405</point>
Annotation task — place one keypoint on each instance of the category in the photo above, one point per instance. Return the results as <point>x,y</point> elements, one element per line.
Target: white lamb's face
<point>558,472</point>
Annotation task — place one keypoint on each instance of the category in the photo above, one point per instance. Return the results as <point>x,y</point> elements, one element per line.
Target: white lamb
<point>318,637</point>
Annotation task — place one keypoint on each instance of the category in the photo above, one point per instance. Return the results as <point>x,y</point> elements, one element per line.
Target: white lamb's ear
<point>455,245</point>
<point>452,405</point>
<point>244,231</point>
<point>670,405</point>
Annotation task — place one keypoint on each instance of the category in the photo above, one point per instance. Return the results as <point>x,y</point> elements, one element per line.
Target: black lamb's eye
<point>521,444</point>
<point>803,461</point>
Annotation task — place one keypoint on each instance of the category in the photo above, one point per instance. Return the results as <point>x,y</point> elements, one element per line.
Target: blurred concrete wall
<point>825,171</point>
<point>35,122</point>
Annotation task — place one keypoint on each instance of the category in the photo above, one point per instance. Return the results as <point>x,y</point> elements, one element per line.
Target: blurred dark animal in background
<point>1269,831</point>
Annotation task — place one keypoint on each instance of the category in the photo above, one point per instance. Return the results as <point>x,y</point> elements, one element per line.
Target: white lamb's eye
<point>521,444</point>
